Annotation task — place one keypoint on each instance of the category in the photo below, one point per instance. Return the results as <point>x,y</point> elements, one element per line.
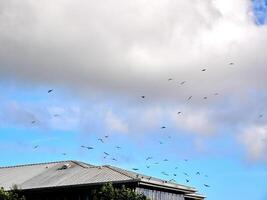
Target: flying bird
<point>49,91</point>
<point>143,97</point>
<point>206,185</point>
<point>216,94</point>
<point>101,140</point>
<point>198,173</point>
<point>118,147</point>
<point>147,166</point>
<point>106,136</point>
<point>170,79</point>
<point>203,70</point>
<point>160,142</point>
<point>187,180</point>
<point>35,147</point>
<point>163,127</point>
<point>33,121</point>
<point>261,115</point>
<point>64,154</point>
<point>174,174</point>
<point>89,148</point>
<point>165,160</point>
<point>135,169</point>
<point>56,115</point>
<point>189,98</point>
<point>179,112</point>
<point>114,159</point>
<point>231,63</point>
<point>183,82</point>
<point>205,97</point>
<point>106,153</point>
<point>156,163</point>
<point>186,174</point>
<point>149,158</point>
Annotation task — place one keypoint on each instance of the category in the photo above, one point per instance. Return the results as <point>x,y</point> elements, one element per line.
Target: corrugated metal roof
<point>46,175</point>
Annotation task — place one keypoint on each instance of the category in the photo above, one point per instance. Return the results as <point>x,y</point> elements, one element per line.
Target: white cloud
<point>255,140</point>
<point>115,124</point>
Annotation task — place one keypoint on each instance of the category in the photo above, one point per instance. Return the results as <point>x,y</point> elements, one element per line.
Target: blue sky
<point>100,63</point>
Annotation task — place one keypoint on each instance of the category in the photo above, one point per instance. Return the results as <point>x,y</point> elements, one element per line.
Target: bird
<point>163,127</point>
<point>189,98</point>
<point>206,176</point>
<point>106,136</point>
<point>164,173</point>
<point>147,166</point>
<point>89,148</point>
<point>36,146</point>
<point>149,178</point>
<point>143,97</point>
<point>205,97</point>
<point>179,112</point>
<point>135,169</point>
<point>156,163</point>
<point>149,158</point>
<point>106,153</point>
<point>185,174</point>
<point>187,180</point>
<point>56,115</point>
<point>170,79</point>
<point>231,63</point>
<point>165,160</point>
<point>216,94</point>
<point>33,121</point>
<point>176,167</point>
<point>160,142</point>
<point>101,140</point>
<point>174,174</point>
<point>82,146</point>
<point>203,70</point>
<point>185,160</point>
<point>183,82</point>
<point>261,115</point>
<point>198,173</point>
<point>118,147</point>
<point>114,159</point>
<point>64,154</point>
<point>206,185</point>
<point>49,91</point>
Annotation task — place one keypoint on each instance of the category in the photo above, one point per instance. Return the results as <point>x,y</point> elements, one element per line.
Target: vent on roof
<point>65,166</point>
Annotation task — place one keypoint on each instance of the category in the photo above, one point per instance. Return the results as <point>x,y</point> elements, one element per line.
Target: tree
<point>108,192</point>
<point>13,194</point>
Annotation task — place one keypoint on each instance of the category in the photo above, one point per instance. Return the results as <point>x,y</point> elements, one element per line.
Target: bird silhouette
<point>147,166</point>
<point>36,146</point>
<point>118,147</point>
<point>206,185</point>
<point>198,173</point>
<point>56,115</point>
<point>101,140</point>
<point>135,169</point>
<point>64,154</point>
<point>186,174</point>
<point>89,148</point>
<point>179,112</point>
<point>170,79</point>
<point>231,63</point>
<point>163,127</point>
<point>114,159</point>
<point>205,97</point>
<point>261,115</point>
<point>203,70</point>
<point>49,91</point>
<point>165,160</point>
<point>143,97</point>
<point>187,180</point>
<point>183,82</point>
<point>106,153</point>
<point>149,158</point>
<point>33,121</point>
<point>189,98</point>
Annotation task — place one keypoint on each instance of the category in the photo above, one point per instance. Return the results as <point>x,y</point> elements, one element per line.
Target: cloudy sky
<point>201,66</point>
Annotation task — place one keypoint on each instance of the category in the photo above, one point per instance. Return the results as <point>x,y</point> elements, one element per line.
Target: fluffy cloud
<point>115,124</point>
<point>130,48</point>
<point>255,140</point>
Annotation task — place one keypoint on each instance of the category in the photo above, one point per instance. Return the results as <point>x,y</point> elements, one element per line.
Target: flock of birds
<point>149,160</point>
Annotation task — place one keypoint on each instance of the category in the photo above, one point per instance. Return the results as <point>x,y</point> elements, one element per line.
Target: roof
<point>74,173</point>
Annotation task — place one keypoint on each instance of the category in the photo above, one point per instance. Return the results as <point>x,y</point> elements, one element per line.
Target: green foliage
<point>108,192</point>
<point>13,194</point>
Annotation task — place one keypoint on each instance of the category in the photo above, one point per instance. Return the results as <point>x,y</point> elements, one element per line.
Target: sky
<point>200,65</point>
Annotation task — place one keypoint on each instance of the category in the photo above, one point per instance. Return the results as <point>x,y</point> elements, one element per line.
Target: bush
<point>108,192</point>
<point>13,194</point>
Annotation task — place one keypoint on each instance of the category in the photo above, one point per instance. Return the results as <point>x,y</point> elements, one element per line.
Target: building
<point>67,180</point>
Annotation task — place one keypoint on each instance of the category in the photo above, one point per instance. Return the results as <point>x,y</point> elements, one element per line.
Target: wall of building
<point>159,195</point>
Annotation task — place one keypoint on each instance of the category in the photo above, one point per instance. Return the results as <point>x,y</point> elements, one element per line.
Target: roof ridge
<point>44,163</point>
<point>116,170</point>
